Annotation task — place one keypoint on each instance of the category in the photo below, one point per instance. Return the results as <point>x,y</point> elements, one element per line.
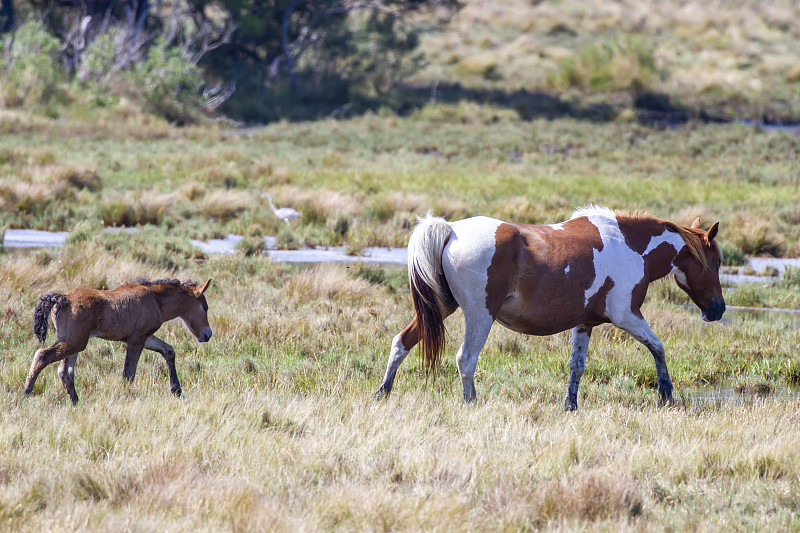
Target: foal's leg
<point>580,345</point>
<point>66,371</point>
<point>168,352</point>
<point>640,330</point>
<point>401,345</point>
<point>132,354</point>
<point>477,327</point>
<point>43,357</point>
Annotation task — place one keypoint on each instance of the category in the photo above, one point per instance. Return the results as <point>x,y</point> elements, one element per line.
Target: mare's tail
<point>42,313</point>
<point>429,288</point>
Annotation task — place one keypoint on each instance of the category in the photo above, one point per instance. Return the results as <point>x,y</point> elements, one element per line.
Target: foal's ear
<point>696,223</point>
<point>711,233</point>
<point>199,291</point>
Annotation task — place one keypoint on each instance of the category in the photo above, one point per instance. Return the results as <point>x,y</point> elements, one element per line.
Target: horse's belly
<point>537,317</point>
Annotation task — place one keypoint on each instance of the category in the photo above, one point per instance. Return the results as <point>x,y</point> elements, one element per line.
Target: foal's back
<point>113,314</point>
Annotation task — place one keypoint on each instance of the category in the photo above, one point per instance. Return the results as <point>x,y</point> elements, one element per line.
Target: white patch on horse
<point>566,270</point>
<point>669,237</point>
<point>559,226</point>
<point>466,261</point>
<point>616,261</point>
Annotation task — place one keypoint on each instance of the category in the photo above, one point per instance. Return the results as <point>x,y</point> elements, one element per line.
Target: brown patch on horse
<point>500,274</point>
<point>410,335</point>
<point>638,229</point>
<point>596,306</point>
<point>536,305</point>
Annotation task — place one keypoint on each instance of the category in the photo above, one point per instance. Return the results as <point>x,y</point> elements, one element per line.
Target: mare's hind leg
<point>43,357</point>
<point>640,330</point>
<point>477,328</point>
<point>168,352</point>
<point>66,371</point>
<point>580,345</point>
<point>402,343</point>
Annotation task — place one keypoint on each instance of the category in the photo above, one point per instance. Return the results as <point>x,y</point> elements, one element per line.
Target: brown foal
<point>131,313</point>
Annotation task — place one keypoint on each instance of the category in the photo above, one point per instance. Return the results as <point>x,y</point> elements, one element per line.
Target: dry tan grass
<point>223,204</point>
<point>327,282</point>
<point>88,266</point>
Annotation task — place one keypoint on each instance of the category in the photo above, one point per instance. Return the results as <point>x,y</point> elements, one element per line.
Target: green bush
<point>30,69</point>
<point>621,64</point>
<point>170,83</point>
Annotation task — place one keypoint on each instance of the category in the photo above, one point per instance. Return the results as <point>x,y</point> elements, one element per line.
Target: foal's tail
<point>429,288</point>
<point>42,312</point>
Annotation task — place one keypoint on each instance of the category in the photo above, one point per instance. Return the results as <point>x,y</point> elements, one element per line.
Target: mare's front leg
<point>132,354</point>
<point>640,330</point>
<point>168,352</point>
<point>581,335</point>
<point>43,357</point>
<point>66,371</point>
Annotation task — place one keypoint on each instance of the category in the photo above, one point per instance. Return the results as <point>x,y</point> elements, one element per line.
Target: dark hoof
<point>668,401</point>
<point>381,395</point>
<point>570,405</point>
<point>176,391</point>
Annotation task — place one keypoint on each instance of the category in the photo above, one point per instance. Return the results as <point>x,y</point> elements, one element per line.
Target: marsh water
<point>744,389</point>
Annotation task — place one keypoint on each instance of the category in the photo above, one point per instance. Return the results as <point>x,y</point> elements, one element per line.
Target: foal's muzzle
<point>205,335</point>
<point>714,311</point>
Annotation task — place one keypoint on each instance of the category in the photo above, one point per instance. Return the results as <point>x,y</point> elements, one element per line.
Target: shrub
<point>251,245</point>
<point>170,83</point>
<point>621,64</point>
<point>30,69</point>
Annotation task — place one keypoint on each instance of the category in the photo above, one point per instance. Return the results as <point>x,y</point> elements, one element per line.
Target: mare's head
<point>195,311</point>
<point>697,269</point>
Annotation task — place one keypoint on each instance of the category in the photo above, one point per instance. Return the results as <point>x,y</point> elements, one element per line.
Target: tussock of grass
<point>327,283</point>
<point>225,204</point>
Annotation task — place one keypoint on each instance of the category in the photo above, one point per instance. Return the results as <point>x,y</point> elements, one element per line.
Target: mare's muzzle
<point>714,311</point>
<point>206,334</point>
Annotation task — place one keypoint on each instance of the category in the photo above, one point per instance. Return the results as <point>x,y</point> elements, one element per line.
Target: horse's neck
<point>661,252</point>
<point>169,302</point>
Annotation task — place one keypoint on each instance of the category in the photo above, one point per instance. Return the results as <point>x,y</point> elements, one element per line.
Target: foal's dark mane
<point>169,282</point>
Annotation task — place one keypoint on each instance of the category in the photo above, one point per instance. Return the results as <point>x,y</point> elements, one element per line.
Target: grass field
<point>362,182</point>
<point>276,429</point>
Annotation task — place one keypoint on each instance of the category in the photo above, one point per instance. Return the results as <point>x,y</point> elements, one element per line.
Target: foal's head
<point>698,270</point>
<point>194,311</point>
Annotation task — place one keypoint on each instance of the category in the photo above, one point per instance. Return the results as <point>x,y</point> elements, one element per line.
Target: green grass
<point>277,429</point>
<point>363,181</point>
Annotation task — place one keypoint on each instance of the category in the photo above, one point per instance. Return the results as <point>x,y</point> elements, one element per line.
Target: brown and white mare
<point>543,279</point>
<point>130,313</point>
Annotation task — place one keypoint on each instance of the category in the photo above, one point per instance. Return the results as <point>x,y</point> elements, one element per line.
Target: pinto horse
<point>540,280</point>
<point>131,313</point>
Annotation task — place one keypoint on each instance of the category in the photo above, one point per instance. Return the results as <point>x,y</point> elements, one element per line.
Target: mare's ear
<point>711,233</point>
<point>200,290</point>
<point>696,223</point>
